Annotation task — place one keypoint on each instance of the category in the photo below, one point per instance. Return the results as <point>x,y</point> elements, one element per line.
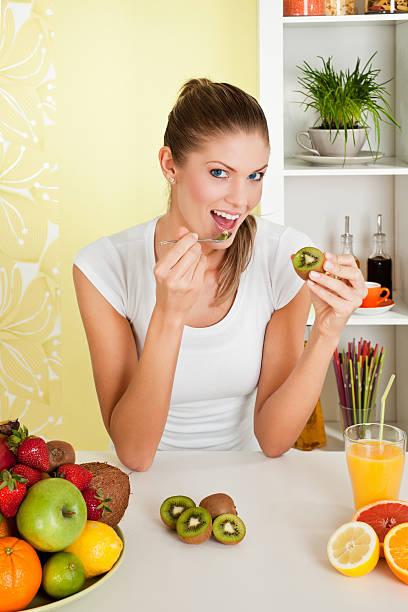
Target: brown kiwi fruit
<point>307,259</point>
<point>59,453</point>
<point>194,525</point>
<point>218,503</point>
<point>114,484</point>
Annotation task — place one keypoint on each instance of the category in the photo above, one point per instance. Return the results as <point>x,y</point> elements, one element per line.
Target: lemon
<point>354,549</point>
<point>98,547</point>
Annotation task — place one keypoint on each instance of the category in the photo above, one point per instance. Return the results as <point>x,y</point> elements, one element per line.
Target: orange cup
<point>374,296</point>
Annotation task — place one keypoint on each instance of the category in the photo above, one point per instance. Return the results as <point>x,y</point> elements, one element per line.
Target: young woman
<point>199,345</point>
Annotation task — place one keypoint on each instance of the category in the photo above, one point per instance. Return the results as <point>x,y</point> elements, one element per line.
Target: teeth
<point>225,215</point>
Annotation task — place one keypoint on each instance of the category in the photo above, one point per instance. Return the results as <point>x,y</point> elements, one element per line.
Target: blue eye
<point>260,175</point>
<point>217,170</point>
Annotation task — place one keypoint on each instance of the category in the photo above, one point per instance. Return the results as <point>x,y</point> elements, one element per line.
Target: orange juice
<point>375,471</point>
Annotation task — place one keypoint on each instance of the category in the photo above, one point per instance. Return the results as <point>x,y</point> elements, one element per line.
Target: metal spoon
<point>221,238</point>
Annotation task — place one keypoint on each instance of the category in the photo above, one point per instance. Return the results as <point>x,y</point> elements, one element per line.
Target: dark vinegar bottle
<point>379,264</point>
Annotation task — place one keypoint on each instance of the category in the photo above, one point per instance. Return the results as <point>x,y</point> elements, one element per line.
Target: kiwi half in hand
<point>229,529</point>
<point>307,259</point>
<point>173,507</point>
<point>194,525</point>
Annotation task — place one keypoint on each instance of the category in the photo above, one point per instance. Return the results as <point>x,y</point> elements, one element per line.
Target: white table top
<point>290,506</point>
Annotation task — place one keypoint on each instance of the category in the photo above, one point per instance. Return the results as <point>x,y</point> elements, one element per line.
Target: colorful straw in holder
<point>358,373</point>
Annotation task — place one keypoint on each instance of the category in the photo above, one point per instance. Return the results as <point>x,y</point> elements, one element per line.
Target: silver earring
<point>171,179</point>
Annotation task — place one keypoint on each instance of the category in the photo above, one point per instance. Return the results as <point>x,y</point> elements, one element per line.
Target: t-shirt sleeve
<point>285,282</point>
<point>101,264</point>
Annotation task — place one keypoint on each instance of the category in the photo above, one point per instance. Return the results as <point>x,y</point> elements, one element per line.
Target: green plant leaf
<point>346,100</point>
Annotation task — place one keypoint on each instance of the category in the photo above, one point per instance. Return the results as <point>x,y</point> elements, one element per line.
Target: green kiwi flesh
<point>224,236</point>
<point>173,507</point>
<point>218,503</point>
<point>229,529</point>
<point>307,259</point>
<point>194,525</point>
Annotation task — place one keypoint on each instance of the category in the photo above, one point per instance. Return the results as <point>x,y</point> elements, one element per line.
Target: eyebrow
<point>216,161</point>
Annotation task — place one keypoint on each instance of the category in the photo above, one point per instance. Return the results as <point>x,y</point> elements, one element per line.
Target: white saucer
<point>364,157</point>
<point>388,304</point>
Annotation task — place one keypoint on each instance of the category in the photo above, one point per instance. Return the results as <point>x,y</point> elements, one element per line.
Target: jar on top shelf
<point>386,6</point>
<point>340,7</point>
<point>292,8</point>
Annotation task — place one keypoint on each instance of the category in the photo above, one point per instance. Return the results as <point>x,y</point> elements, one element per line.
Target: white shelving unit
<point>315,199</point>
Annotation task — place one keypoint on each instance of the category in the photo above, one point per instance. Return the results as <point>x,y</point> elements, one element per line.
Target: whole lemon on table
<point>98,547</point>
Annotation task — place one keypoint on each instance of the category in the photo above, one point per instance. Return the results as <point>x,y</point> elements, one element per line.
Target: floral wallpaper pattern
<point>30,337</point>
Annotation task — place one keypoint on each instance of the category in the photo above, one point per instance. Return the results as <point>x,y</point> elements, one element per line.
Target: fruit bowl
<point>42,601</point>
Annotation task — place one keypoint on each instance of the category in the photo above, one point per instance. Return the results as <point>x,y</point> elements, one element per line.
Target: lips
<point>224,224</point>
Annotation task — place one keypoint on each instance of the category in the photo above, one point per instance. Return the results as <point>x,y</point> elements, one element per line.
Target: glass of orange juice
<point>375,468</point>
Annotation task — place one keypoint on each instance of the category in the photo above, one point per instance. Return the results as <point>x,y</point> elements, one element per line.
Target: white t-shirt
<point>218,367</point>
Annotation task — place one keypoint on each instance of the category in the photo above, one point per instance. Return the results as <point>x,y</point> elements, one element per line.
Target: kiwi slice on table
<point>173,507</point>
<point>194,525</point>
<point>218,503</point>
<point>229,529</point>
<point>307,259</point>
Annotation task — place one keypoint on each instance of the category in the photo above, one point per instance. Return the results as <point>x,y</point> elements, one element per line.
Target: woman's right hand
<point>180,275</point>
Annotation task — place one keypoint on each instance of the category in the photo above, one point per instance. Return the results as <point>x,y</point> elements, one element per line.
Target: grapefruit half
<point>383,516</point>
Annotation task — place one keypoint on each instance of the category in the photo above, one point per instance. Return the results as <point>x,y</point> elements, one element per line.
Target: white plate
<point>364,157</point>
<point>376,310</point>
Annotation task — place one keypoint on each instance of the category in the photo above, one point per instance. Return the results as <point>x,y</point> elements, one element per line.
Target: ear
<point>166,161</point>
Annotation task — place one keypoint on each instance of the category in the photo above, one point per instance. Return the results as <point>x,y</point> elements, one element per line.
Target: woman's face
<point>224,176</point>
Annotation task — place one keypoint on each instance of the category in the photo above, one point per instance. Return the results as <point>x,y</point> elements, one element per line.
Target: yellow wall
<point>119,66</point>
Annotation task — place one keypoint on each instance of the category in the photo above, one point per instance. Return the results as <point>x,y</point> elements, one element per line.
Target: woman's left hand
<point>334,299</point>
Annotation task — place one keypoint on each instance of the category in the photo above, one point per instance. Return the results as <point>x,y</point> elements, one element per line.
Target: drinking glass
<point>375,468</point>
<point>352,416</point>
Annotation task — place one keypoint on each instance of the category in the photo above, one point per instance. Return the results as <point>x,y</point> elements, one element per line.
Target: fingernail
<point>195,236</point>
<point>329,255</point>
<point>328,265</point>
<point>314,274</point>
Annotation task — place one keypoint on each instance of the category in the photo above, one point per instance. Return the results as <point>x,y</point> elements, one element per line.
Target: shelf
<point>384,166</point>
<point>396,316</point>
<point>347,20</point>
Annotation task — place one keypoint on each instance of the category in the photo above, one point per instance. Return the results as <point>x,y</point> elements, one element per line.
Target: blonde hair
<point>204,110</point>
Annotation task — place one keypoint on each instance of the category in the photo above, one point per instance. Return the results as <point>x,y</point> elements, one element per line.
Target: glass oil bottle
<point>379,263</point>
<point>313,434</point>
<point>347,241</point>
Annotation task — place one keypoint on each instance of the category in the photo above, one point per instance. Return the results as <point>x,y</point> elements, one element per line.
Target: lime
<point>63,575</point>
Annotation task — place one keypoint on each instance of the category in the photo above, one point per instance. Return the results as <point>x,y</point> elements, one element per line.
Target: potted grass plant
<point>345,102</point>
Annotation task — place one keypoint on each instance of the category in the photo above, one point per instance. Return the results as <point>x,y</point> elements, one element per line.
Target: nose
<point>237,194</point>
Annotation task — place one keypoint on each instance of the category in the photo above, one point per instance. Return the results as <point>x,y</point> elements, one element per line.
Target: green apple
<point>52,515</point>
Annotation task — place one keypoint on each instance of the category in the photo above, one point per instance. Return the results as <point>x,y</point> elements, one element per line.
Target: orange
<point>396,551</point>
<point>382,516</point>
<point>20,574</point>
<point>7,526</point>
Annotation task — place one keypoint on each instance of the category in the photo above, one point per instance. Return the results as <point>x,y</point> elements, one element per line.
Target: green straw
<point>365,390</point>
<point>384,397</point>
<point>352,392</point>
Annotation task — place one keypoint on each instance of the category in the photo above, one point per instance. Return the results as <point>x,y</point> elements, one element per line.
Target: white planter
<point>328,143</point>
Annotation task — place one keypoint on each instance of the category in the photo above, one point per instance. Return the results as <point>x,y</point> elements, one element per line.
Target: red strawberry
<point>28,472</point>
<point>7,458</point>
<point>31,450</point>
<point>12,492</point>
<point>75,473</point>
<point>95,503</point>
